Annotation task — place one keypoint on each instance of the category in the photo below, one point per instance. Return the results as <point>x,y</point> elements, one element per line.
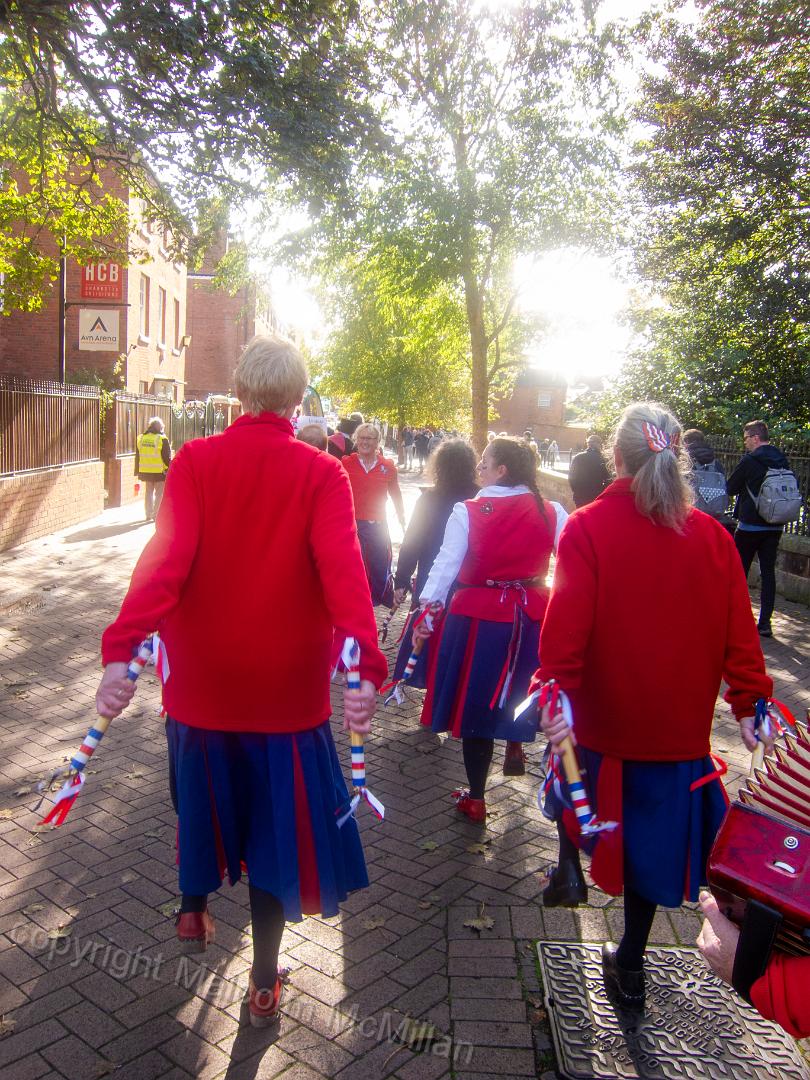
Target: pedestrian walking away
<point>153,455</point>
<point>453,470</point>
<point>373,479</point>
<point>754,535</point>
<point>264,522</point>
<point>588,475</point>
<point>497,548</point>
<point>648,613</point>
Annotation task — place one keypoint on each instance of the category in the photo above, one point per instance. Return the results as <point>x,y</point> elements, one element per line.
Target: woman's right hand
<point>555,728</point>
<point>421,632</point>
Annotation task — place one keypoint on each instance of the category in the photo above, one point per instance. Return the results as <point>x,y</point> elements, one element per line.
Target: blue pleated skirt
<point>464,685</point>
<point>375,546</point>
<point>667,828</point>
<point>267,805</point>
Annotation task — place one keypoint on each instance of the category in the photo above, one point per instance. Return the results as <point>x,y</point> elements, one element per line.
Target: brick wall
<point>35,504</point>
<point>220,326</point>
<point>119,480</point>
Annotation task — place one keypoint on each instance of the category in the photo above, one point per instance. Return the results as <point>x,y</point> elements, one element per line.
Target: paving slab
<point>116,992</point>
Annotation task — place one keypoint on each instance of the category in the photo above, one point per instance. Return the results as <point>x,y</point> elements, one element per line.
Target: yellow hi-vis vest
<point>150,459</point>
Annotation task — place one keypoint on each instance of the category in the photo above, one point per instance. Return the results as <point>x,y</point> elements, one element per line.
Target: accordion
<point>759,867</point>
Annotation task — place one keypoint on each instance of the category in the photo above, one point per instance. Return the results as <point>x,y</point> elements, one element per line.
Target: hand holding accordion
<point>759,867</point>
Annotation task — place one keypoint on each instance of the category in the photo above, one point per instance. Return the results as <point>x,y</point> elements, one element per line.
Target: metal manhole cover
<point>693,1026</point>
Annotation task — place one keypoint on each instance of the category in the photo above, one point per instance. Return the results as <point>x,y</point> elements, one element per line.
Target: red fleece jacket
<point>254,564</point>
<point>641,626</point>
<point>783,994</point>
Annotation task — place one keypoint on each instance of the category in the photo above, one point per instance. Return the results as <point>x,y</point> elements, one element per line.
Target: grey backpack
<point>779,499</point>
<point>711,495</point>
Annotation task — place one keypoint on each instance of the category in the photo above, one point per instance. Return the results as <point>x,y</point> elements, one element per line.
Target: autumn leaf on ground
<point>155,834</point>
<point>424,904</point>
<point>104,1068</point>
<point>136,774</point>
<point>481,921</point>
<point>171,907</point>
<point>428,845</point>
<point>537,1016</point>
<point>32,909</point>
<point>374,923</point>
<point>478,849</point>
<point>22,791</point>
<point>59,932</point>
<point>6,1026</point>
<point>8,812</point>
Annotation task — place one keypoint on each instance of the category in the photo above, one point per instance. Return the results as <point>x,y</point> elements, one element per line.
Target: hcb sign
<point>102,281</point>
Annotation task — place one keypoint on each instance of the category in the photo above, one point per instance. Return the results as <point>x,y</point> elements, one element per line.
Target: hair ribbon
<point>658,439</point>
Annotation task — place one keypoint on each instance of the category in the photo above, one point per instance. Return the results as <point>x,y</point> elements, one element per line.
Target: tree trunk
<point>478,352</point>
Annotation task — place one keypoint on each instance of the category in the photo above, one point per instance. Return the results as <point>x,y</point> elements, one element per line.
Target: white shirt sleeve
<point>562,517</point>
<point>448,562</point>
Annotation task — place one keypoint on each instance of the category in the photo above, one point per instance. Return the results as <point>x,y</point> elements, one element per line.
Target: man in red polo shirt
<point>373,478</point>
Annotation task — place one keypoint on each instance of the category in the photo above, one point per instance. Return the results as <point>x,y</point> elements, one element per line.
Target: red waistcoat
<point>510,541</point>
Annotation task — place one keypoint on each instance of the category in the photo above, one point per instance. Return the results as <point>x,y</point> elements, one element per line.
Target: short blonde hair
<point>366,429</point>
<point>312,434</point>
<point>271,375</point>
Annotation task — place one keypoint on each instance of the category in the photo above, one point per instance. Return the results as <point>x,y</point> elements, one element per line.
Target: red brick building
<point>537,403</point>
<point>131,317</point>
<point>220,325</point>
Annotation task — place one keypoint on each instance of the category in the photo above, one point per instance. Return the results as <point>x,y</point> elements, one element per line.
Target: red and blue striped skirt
<point>668,818</point>
<point>465,678</point>
<point>268,805</point>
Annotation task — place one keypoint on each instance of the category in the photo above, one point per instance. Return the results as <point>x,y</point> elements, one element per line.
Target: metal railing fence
<point>45,425</point>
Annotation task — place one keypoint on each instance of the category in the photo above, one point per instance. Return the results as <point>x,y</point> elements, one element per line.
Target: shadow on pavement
<point>102,532</point>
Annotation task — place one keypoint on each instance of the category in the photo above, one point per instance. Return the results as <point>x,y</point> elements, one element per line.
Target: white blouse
<point>457,538</point>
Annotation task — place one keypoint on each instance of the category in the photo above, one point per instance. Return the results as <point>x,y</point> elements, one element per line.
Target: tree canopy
<point>725,237</point>
<point>219,99</point>
<point>495,121</point>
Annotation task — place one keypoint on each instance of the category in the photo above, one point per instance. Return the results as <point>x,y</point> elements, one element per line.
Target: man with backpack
<point>769,497</point>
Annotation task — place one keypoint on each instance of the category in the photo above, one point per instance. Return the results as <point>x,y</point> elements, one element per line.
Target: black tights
<point>638,913</point>
<point>477,760</point>
<point>267,919</point>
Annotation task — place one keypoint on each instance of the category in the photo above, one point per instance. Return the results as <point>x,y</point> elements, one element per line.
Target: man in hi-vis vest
<point>153,455</point>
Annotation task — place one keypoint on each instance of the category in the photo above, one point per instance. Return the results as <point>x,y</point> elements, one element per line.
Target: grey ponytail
<point>660,478</point>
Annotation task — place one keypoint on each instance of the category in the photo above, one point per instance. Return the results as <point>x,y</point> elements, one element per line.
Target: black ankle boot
<point>626,987</point>
<point>566,886</point>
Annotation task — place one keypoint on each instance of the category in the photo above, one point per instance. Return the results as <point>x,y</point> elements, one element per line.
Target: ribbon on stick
<point>350,659</point>
<point>771,717</point>
<point>393,689</point>
<point>555,697</point>
<point>74,775</point>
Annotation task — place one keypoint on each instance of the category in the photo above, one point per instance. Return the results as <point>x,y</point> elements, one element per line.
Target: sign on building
<point>98,329</point>
<point>102,281</point>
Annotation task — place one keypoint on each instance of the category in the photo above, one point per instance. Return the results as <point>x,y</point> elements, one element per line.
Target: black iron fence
<point>797,450</point>
<point>191,420</point>
<point>45,425</point>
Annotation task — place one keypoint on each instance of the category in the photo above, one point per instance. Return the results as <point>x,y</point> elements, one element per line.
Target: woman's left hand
<point>358,707</point>
<point>115,690</point>
<point>718,938</point>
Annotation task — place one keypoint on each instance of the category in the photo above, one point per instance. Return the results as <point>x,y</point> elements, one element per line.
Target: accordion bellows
<point>762,851</point>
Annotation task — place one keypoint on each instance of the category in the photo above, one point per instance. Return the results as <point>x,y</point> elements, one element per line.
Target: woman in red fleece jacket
<point>648,613</point>
<point>263,525</point>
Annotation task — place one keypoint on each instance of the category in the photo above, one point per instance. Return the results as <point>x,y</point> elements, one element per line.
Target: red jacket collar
<point>271,418</point>
<point>622,485</point>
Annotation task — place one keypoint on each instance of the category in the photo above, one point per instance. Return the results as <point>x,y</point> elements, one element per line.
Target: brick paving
<point>114,996</point>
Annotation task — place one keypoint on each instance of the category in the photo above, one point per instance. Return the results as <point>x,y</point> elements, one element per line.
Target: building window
<point>544,400</point>
<point>143,304</point>
<point>177,324</point>
<point>143,388</point>
<point>161,315</point>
